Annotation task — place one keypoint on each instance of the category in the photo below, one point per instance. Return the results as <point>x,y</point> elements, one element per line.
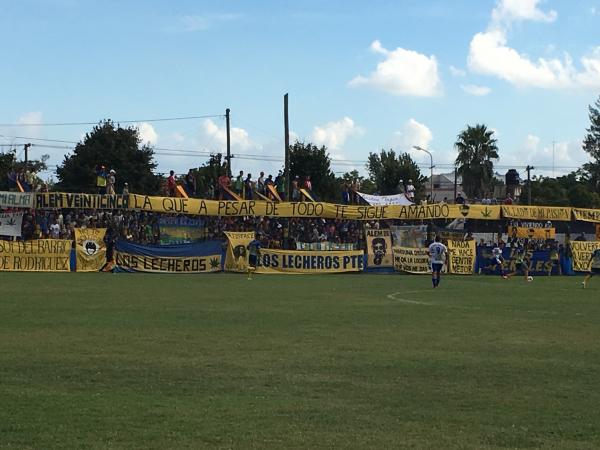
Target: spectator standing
<point>459,199</point>
<point>223,183</point>
<point>126,189</point>
<point>508,200</point>
<point>307,184</point>
<point>249,187</point>
<point>269,182</point>
<point>190,183</point>
<point>101,179</point>
<point>238,184</point>
<point>171,184</point>
<point>260,184</point>
<point>296,188</point>
<point>280,185</point>
<point>111,180</point>
<point>345,193</point>
<point>410,191</point>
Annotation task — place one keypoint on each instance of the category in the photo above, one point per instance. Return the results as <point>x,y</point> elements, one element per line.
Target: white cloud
<point>31,130</point>
<point>147,133</point>
<point>240,139</point>
<point>593,11</point>
<point>413,133</point>
<point>403,72</point>
<point>489,53</point>
<point>509,11</point>
<point>456,72</point>
<point>478,91</point>
<point>565,156</point>
<point>334,134</point>
<point>531,143</point>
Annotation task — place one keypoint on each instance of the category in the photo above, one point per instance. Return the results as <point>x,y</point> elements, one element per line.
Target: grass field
<point>342,361</point>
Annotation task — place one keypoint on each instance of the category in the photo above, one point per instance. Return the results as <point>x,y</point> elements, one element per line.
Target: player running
<point>498,259</point>
<point>437,255</point>
<point>595,267</point>
<point>253,256</point>
<point>521,265</point>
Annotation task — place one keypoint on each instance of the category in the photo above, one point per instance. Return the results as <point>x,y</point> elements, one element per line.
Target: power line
<point>61,124</point>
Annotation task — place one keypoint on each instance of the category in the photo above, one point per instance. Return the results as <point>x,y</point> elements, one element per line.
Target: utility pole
<point>455,183</point>
<point>529,169</point>
<point>228,157</point>
<point>26,150</point>
<point>286,124</point>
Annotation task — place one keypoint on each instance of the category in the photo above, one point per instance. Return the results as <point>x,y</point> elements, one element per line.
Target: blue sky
<point>361,75</point>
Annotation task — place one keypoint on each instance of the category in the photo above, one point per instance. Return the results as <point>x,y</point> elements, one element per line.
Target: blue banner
<point>180,230</point>
<point>185,258</point>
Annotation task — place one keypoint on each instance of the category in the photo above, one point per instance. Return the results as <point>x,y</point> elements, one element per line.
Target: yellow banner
<point>411,260</point>
<point>531,233</point>
<point>166,264</point>
<point>582,252</point>
<point>478,212</point>
<point>536,212</point>
<point>192,206</point>
<point>90,249</point>
<point>587,215</point>
<point>379,248</point>
<point>461,257</point>
<point>51,200</point>
<point>236,258</point>
<point>289,261</point>
<point>43,255</point>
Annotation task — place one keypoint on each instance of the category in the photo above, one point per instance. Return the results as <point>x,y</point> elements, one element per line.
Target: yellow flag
<point>236,259</point>
<point>90,249</point>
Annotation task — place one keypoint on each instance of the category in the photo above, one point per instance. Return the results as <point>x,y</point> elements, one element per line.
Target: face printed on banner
<point>379,248</point>
<point>90,247</point>
<point>239,251</point>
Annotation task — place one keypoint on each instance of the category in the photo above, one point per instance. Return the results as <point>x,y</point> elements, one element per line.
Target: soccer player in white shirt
<point>437,255</point>
<point>498,259</point>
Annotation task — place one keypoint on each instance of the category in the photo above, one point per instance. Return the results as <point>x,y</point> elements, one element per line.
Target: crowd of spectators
<point>144,227</point>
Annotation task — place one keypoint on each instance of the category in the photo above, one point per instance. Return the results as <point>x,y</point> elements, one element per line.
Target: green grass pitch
<point>338,361</point>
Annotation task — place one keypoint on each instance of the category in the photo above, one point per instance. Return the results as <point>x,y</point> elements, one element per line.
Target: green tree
<point>8,163</point>
<point>366,185</point>
<point>208,174</point>
<point>546,191</point>
<point>308,159</point>
<point>116,148</point>
<point>388,172</point>
<point>476,148</point>
<point>591,144</point>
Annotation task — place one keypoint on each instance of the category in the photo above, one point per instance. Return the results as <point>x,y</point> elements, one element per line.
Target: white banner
<point>383,200</point>
<point>10,224</point>
<point>16,199</point>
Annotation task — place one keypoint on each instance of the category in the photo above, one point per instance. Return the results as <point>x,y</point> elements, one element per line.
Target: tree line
<point>387,171</point>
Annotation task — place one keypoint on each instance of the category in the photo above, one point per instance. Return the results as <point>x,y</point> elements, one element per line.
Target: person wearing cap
<point>110,182</point>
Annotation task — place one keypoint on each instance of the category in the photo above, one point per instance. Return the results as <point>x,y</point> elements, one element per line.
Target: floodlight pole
<point>416,147</point>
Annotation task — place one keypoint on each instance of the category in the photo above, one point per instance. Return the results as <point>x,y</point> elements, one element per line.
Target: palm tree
<point>476,149</point>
